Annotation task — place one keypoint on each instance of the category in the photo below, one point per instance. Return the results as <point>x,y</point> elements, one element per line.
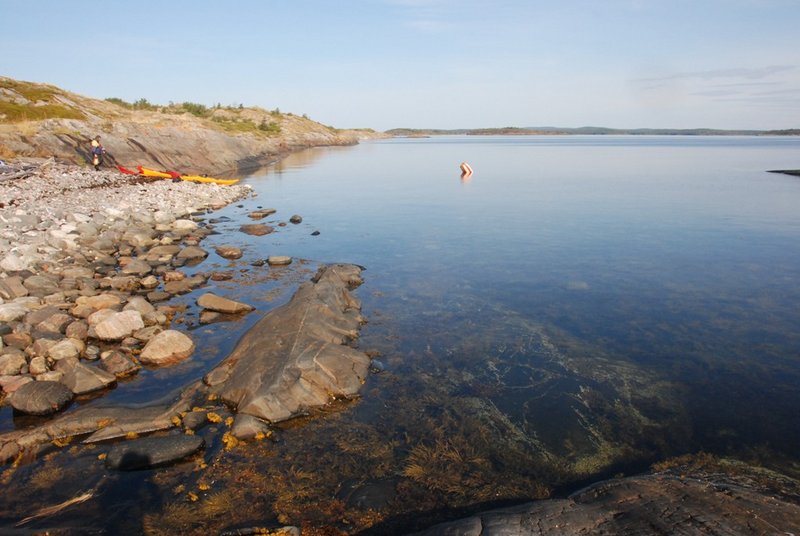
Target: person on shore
<point>97,153</point>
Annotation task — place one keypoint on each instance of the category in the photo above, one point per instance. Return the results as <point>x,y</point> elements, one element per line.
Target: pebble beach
<point>87,259</point>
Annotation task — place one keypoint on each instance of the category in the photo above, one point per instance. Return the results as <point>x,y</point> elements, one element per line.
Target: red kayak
<point>126,171</point>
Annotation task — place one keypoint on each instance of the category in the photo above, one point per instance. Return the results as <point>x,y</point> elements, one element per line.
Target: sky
<point>383,64</point>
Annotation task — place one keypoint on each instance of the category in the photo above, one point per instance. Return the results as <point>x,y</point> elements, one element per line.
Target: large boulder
<point>117,326</point>
<point>167,347</point>
<point>295,357</point>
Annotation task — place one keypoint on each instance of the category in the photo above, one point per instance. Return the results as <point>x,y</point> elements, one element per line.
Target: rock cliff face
<point>39,120</point>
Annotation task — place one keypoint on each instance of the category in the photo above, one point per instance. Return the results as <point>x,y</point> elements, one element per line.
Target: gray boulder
<point>41,398</point>
<point>82,379</point>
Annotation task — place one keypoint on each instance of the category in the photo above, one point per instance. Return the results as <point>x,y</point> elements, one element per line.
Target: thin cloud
<point>713,74</point>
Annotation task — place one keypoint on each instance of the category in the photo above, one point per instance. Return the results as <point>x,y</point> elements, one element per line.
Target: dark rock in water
<point>370,495</point>
<point>41,398</point>
<point>149,452</point>
<point>296,218</point>
<point>259,262</point>
<point>315,233</point>
<point>221,276</point>
<point>195,419</point>
<point>376,367</point>
<point>256,229</point>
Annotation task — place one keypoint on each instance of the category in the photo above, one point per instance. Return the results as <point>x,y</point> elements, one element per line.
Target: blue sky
<point>427,63</point>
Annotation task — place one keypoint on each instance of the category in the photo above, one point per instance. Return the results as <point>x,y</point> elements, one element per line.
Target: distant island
<point>551,131</point>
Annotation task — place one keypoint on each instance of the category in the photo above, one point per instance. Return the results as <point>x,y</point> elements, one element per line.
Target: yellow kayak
<point>145,172</point>
<point>200,178</point>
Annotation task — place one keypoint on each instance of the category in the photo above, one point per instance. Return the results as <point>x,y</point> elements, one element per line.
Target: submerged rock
<point>149,452</point>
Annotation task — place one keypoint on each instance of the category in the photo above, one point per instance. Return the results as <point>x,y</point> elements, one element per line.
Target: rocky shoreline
<point>86,258</point>
<point>89,263</point>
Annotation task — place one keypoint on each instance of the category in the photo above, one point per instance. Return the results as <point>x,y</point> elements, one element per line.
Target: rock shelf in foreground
<point>673,502</point>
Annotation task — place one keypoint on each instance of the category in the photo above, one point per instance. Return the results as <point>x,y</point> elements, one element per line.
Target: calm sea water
<point>677,257</point>
<point>579,307</point>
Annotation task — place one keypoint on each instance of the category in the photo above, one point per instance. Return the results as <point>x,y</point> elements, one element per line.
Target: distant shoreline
<point>554,131</point>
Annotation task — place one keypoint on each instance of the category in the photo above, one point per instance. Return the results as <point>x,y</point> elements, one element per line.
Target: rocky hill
<point>39,120</point>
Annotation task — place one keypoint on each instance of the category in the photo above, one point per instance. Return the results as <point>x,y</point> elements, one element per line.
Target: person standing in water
<point>97,153</point>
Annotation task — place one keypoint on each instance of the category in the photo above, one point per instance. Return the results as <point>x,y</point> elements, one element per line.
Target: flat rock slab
<point>82,379</point>
<point>279,260</point>
<point>149,452</point>
<point>295,357</point>
<point>651,504</point>
<point>41,398</point>
<point>262,213</point>
<point>213,302</point>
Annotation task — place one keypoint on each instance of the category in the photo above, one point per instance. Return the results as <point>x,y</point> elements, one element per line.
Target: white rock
<point>10,312</point>
<point>13,263</point>
<point>184,225</point>
<point>63,349</point>
<point>119,325</point>
<point>167,347</point>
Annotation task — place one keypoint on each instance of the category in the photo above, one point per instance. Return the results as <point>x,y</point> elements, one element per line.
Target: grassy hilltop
<point>40,120</point>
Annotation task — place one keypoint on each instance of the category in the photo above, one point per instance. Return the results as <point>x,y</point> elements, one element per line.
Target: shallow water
<point>579,307</point>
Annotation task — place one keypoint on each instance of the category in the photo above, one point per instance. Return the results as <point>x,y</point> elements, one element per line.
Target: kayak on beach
<point>146,172</point>
<point>200,178</point>
<point>126,171</point>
